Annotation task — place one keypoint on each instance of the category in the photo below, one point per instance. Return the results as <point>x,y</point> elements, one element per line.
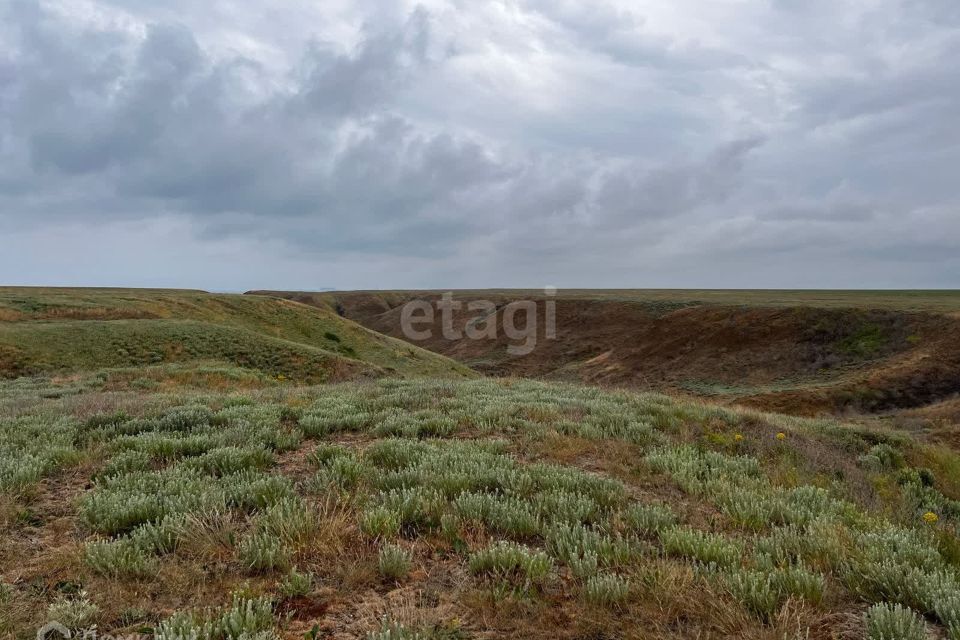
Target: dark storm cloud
<point>345,85</point>
<point>167,127</point>
<point>581,143</point>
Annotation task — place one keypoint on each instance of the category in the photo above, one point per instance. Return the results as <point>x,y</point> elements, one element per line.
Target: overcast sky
<point>463,143</point>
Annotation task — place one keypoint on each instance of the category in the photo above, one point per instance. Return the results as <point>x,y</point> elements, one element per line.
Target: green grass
<point>71,346</point>
<point>57,330</point>
<point>865,342</point>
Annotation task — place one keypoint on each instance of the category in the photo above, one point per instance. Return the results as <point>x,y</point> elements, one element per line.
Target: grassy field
<point>933,301</point>
<point>441,509</point>
<point>66,330</point>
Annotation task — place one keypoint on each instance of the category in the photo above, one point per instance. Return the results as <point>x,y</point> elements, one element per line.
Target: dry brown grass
<point>211,536</point>
<point>408,605</point>
<point>9,510</point>
<point>10,315</point>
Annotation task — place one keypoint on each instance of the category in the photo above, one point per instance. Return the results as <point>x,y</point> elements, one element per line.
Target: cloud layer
<point>461,144</point>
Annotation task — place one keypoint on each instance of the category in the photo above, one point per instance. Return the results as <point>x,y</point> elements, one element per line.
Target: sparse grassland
<point>460,509</point>
<point>940,301</point>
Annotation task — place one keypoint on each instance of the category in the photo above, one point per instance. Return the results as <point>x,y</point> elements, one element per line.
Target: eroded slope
<point>785,352</point>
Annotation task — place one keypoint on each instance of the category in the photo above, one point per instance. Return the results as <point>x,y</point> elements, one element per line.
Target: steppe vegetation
<point>184,466</point>
<point>442,509</point>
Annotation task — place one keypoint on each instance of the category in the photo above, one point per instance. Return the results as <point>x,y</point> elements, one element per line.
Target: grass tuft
<point>393,561</point>
<point>893,622</point>
<point>606,590</point>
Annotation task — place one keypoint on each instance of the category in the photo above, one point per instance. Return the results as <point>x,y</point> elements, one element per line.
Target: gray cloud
<point>455,144</point>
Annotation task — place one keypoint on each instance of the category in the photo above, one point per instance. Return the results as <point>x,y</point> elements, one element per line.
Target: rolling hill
<point>46,331</point>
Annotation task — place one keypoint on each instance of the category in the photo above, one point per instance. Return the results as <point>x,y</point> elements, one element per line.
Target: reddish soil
<point>801,360</point>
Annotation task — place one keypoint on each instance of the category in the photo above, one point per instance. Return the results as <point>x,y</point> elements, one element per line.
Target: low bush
<point>606,590</point>
<point>764,592</point>
<point>582,547</point>
<point>882,457</point>
<point>296,584</point>
<point>245,618</point>
<point>755,590</point>
<point>76,613</point>
<point>380,522</point>
<point>325,453</point>
<point>162,536</point>
<point>119,559</point>
<point>560,505</point>
<point>893,622</point>
<point>250,491</point>
<point>227,460</point>
<point>393,561</point>
<point>512,562</point>
<point>342,473</point>
<point>289,520</point>
<point>418,507</point>
<point>708,548</point>
<point>126,462</point>
<point>261,551</point>
<point>649,519</point>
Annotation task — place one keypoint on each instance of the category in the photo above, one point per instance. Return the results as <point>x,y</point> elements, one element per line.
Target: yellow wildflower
<point>738,437</point>
<point>930,517</point>
<point>781,436</point>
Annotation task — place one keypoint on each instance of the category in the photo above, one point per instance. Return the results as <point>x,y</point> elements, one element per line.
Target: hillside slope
<point>799,352</point>
<point>63,330</point>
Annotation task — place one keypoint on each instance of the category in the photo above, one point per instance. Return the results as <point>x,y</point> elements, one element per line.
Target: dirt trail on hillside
<point>800,360</point>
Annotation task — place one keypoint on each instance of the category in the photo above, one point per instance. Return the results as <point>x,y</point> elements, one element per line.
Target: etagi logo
<point>482,320</point>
